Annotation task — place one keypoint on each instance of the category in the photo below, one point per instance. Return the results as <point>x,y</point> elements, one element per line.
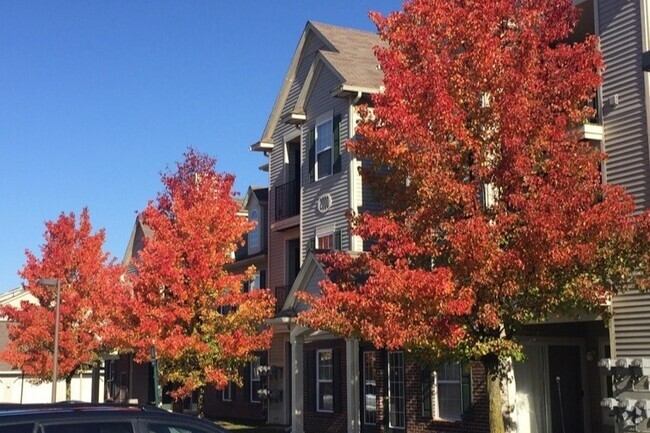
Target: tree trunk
<point>68,387</point>
<point>491,363</point>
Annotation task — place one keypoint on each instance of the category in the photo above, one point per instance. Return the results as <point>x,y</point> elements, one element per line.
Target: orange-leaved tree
<point>73,255</point>
<point>494,214</point>
<point>187,304</point>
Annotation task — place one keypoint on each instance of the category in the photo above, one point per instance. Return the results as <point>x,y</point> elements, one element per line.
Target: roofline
<point>274,117</point>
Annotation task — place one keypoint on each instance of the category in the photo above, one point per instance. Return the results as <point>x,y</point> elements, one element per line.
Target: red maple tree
<point>494,211</point>
<point>73,255</point>
<point>187,304</point>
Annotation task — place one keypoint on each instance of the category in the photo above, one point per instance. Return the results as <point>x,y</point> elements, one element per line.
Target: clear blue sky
<point>97,97</point>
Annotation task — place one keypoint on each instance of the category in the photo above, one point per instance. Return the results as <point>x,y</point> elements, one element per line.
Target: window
<point>255,380</point>
<point>369,388</point>
<point>324,381</point>
<point>254,235</point>
<point>325,242</point>
<point>226,394</point>
<point>324,140</point>
<point>396,391</point>
<point>255,284</point>
<point>90,427</point>
<point>449,386</point>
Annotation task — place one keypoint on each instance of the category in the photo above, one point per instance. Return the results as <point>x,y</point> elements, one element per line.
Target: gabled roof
<point>353,57</point>
<point>139,231</point>
<point>348,53</point>
<point>260,192</point>
<point>310,266</point>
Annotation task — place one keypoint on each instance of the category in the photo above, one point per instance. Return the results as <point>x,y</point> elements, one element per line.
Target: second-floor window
<point>325,242</point>
<point>324,141</point>
<point>254,235</point>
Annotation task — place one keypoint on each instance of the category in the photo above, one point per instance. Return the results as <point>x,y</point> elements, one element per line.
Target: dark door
<point>369,391</point>
<point>565,379</point>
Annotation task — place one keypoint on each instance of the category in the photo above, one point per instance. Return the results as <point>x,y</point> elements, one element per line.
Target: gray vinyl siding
<point>278,170</point>
<point>626,132</point>
<point>320,102</point>
<point>626,143</point>
<point>631,327</point>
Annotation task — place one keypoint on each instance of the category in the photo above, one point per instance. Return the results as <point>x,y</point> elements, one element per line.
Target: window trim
<point>227,391</point>
<point>437,394</point>
<point>368,417</point>
<point>256,362</point>
<point>255,234</point>
<point>322,120</point>
<point>322,236</point>
<point>403,382</point>
<point>319,380</point>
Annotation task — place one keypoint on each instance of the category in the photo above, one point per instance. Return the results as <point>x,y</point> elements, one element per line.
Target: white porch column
<point>353,391</point>
<point>297,340</point>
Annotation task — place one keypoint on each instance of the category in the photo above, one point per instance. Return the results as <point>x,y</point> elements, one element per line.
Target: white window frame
<point>402,381</point>
<point>322,120</point>
<point>226,393</point>
<point>319,380</point>
<point>254,236</point>
<point>255,377</point>
<point>322,236</point>
<point>437,394</point>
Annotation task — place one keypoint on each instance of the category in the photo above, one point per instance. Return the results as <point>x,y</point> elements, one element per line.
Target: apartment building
<point>323,383</point>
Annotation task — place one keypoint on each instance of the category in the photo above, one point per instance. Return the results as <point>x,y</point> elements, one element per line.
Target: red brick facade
<point>240,408</point>
<point>475,420</point>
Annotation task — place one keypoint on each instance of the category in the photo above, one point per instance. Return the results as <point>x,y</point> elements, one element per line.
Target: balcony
<point>287,200</point>
<point>280,293</point>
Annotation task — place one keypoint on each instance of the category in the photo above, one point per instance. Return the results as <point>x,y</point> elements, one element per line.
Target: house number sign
<point>324,203</point>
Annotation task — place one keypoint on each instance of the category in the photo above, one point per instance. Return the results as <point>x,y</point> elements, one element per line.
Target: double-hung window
<point>324,140</point>
<point>255,380</point>
<point>325,242</point>
<point>449,391</point>
<point>324,381</point>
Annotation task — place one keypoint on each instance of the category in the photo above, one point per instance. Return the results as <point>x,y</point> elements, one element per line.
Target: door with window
<point>369,391</point>
<point>396,408</point>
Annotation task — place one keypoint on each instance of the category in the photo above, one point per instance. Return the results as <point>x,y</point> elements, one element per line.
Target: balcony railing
<point>280,293</point>
<point>287,200</point>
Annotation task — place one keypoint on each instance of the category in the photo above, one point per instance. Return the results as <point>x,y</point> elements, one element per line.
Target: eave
<point>294,118</point>
<point>261,146</point>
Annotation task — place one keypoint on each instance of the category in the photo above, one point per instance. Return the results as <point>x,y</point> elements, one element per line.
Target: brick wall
<point>240,408</point>
<point>474,421</point>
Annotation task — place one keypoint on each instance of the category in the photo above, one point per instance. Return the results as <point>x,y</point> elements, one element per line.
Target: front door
<point>565,379</point>
<point>369,378</point>
<point>549,386</point>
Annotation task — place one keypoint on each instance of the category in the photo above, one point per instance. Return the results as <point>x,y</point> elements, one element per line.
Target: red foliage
<point>183,285</point>
<point>73,255</point>
<point>481,94</point>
